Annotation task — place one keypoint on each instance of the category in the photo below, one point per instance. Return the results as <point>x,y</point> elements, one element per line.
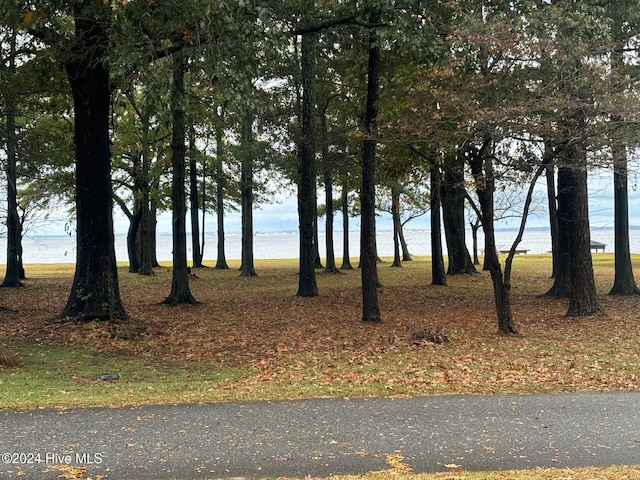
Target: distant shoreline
<point>295,232</point>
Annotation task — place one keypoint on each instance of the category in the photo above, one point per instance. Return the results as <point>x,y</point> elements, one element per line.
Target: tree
<point>561,279</point>
<point>246,184</point>
<point>180,291</point>
<point>328,190</point>
<point>368,253</point>
<point>307,286</point>
<point>196,247</point>
<point>141,137</point>
<point>12,274</point>
<point>453,198</point>
<point>397,225</point>
<point>625,25</point>
<point>624,282</point>
<point>437,261</point>
<point>580,92</point>
<point>95,293</point>
<point>344,200</point>
<point>221,181</point>
<point>583,298</point>
<point>552,207</point>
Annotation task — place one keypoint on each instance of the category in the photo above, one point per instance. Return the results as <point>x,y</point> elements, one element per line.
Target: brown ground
<point>260,323</point>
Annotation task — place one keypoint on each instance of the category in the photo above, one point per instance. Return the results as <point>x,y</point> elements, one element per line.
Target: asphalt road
<point>322,437</point>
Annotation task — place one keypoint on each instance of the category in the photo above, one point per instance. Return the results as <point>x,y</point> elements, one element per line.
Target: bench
<point>518,251</point>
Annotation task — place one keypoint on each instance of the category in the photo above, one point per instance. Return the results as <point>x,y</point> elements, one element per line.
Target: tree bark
<point>247,268</point>
<point>406,256</point>
<point>145,232</point>
<point>12,273</point>
<point>553,209</point>
<point>624,282</point>
<point>397,227</point>
<point>307,286</point>
<point>317,261</point>
<point>583,298</point>
<point>474,235</point>
<point>221,262</point>
<point>562,280</point>
<point>153,228</point>
<point>346,260</point>
<point>438,276</point>
<point>485,188</point>
<point>180,291</point>
<point>193,200</point>
<point>453,197</point>
<point>328,198</point>
<point>95,292</point>
<point>21,270</point>
<point>132,233</point>
<point>368,254</point>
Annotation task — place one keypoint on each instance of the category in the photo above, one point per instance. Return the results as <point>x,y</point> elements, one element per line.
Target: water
<point>61,249</point>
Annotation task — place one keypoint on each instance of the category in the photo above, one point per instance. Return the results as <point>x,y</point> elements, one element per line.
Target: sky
<point>282,215</point>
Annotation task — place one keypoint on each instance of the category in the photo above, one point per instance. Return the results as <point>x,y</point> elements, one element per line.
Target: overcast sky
<point>283,215</point>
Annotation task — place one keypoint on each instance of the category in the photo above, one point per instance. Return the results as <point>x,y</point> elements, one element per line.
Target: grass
<point>608,473</point>
<point>54,376</point>
<point>252,338</point>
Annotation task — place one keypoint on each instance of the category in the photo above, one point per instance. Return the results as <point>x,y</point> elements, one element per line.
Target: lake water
<point>61,249</point>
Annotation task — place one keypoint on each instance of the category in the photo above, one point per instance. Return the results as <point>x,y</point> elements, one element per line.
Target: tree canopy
<point>116,101</point>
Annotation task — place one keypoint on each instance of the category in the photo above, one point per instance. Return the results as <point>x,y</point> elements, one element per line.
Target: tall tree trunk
<point>145,233</point>
<point>368,254</point>
<point>553,209</point>
<point>562,280</point>
<point>623,283</point>
<point>95,293</point>
<point>453,196</point>
<point>204,210</point>
<point>307,286</point>
<point>134,217</point>
<point>346,260</point>
<point>221,262</point>
<point>485,188</point>
<point>22,273</point>
<point>317,261</point>
<point>406,256</point>
<point>153,228</point>
<point>438,276</point>
<point>180,291</point>
<point>475,226</point>
<point>328,198</point>
<point>12,274</point>
<point>395,215</point>
<point>132,232</point>
<point>583,298</point>
<point>193,200</point>
<point>247,268</point>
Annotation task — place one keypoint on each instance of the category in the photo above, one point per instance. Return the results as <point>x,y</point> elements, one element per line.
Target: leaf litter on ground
<point>431,340</point>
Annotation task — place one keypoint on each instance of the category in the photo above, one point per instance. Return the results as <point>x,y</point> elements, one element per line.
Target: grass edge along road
<point>591,473</point>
